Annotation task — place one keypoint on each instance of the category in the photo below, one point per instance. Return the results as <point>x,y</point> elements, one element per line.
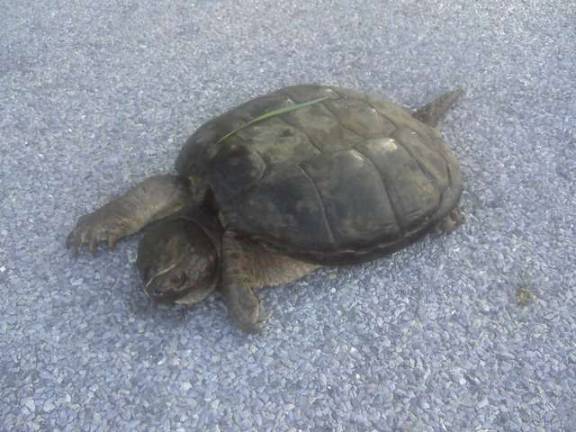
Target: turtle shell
<point>344,179</point>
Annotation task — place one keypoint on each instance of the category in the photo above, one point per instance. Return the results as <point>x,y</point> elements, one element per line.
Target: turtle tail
<point>432,113</point>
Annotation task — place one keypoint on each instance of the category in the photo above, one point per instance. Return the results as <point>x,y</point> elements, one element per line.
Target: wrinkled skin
<point>178,262</point>
<point>306,174</point>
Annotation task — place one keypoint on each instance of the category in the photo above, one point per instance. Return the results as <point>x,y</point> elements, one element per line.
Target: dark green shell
<point>342,180</point>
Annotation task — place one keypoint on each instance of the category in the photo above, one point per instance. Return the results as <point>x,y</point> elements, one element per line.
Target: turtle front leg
<point>148,201</point>
<point>238,285</point>
<point>248,266</point>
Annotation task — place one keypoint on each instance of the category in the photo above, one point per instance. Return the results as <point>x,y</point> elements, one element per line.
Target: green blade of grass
<point>273,113</point>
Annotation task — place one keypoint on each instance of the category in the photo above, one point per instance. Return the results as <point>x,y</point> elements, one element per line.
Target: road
<point>472,331</point>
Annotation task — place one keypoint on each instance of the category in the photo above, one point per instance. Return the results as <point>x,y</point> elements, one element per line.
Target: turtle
<point>305,176</point>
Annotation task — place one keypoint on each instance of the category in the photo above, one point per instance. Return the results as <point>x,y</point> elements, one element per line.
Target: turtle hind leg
<point>432,113</point>
<point>451,221</point>
<point>149,201</point>
<point>247,267</point>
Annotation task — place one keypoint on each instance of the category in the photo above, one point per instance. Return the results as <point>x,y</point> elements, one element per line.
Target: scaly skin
<point>305,174</point>
<point>149,201</point>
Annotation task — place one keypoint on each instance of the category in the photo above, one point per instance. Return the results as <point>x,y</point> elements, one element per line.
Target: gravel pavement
<point>472,331</point>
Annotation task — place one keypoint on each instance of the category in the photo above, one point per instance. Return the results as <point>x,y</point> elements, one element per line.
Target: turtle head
<point>178,262</point>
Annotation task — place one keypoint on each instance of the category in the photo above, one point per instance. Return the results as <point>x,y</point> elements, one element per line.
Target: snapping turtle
<point>305,176</point>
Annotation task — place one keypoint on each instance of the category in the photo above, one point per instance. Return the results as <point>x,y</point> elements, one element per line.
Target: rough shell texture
<point>343,180</point>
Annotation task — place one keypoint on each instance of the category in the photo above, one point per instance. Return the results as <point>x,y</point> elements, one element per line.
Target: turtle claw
<point>112,243</point>
<point>251,328</point>
<point>95,228</point>
<point>70,244</point>
<point>255,327</point>
<point>264,318</point>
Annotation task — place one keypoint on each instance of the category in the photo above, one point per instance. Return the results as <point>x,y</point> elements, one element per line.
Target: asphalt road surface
<point>472,331</point>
